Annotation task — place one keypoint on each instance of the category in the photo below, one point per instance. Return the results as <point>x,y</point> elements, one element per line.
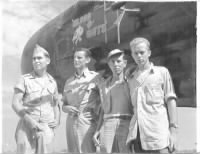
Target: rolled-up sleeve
<point>169,92</point>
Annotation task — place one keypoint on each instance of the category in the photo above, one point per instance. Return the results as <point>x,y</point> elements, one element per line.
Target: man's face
<point>140,53</point>
<point>39,60</point>
<point>117,64</point>
<point>80,59</point>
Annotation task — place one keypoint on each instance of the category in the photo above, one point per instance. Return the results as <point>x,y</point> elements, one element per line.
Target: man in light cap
<point>36,102</point>
<point>112,128</point>
<point>153,125</point>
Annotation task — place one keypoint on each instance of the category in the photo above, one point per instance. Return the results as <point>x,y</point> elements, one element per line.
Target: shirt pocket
<point>34,91</point>
<point>32,96</point>
<point>154,94</point>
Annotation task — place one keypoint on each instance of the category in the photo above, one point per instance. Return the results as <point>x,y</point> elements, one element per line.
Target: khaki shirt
<point>82,92</point>
<point>38,96</point>
<point>150,91</point>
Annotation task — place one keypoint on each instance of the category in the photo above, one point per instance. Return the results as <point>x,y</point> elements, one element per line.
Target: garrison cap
<point>114,52</point>
<point>38,48</point>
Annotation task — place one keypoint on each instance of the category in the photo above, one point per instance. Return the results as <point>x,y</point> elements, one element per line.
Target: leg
<point>71,135</point>
<point>107,135</point>
<point>87,144</point>
<point>40,146</point>
<point>121,136</point>
<point>43,139</point>
<point>24,138</point>
<point>137,143</point>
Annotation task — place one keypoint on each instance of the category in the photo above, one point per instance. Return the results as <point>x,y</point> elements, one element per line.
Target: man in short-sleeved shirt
<point>153,126</point>
<point>38,96</point>
<point>35,102</point>
<point>81,102</point>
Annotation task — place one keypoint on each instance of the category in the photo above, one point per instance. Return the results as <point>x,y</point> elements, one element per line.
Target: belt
<point>74,115</point>
<point>118,116</point>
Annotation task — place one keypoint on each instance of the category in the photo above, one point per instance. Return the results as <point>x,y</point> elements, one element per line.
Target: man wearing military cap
<point>36,102</point>
<point>112,129</point>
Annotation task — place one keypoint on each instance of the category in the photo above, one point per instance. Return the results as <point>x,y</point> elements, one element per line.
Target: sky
<point>20,20</point>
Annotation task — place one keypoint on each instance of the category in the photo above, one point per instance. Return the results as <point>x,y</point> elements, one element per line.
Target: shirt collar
<point>109,80</point>
<point>150,70</point>
<point>47,74</point>
<point>84,74</point>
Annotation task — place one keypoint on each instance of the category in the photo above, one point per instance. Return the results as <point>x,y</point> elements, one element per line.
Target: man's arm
<point>17,103</point>
<point>21,111</point>
<point>172,112</point>
<point>97,132</point>
<point>57,116</point>
<point>68,108</point>
<point>170,99</point>
<point>57,112</point>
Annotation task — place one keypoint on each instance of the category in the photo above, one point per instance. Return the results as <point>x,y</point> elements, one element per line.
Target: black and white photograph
<point>99,76</point>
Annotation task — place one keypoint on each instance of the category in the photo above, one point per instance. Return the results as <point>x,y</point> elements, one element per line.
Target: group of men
<point>125,113</point>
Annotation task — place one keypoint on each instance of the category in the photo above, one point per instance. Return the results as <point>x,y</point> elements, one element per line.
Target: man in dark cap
<point>116,113</point>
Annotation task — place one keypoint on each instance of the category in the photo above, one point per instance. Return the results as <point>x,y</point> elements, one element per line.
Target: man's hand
<point>172,140</point>
<point>33,124</point>
<point>53,124</point>
<point>96,138</point>
<point>71,109</point>
<point>130,146</point>
<point>88,115</point>
<point>39,127</point>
